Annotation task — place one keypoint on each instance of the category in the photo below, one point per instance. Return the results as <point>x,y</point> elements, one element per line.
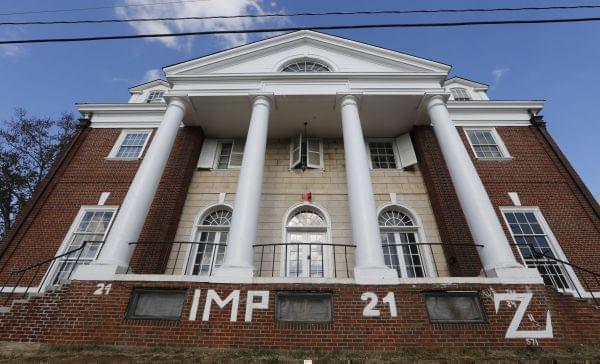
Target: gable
<point>341,55</point>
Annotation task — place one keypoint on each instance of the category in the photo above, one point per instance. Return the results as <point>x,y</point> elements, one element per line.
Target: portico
<point>340,102</point>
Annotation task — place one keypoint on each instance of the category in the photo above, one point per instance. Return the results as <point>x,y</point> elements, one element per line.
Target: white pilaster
<point>128,224</point>
<point>238,265</point>
<point>496,255</point>
<point>370,265</point>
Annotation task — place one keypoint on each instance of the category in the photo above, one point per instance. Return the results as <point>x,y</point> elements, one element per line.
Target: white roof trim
<point>144,86</point>
<point>463,81</point>
<point>425,64</point>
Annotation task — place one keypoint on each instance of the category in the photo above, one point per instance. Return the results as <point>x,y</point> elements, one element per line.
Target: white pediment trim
<point>146,85</point>
<point>465,82</point>
<point>319,39</point>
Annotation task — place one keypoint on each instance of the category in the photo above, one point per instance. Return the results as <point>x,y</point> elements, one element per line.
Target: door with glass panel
<point>210,242</point>
<point>399,239</point>
<point>305,254</point>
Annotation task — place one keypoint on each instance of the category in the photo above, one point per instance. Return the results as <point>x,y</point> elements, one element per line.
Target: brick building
<point>307,191</point>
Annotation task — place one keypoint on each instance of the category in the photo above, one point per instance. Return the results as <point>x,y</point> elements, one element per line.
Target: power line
<point>99,7</point>
<point>289,29</point>
<point>269,15</point>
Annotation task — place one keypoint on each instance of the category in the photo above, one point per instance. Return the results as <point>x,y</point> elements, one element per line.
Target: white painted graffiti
<point>234,298</point>
<point>513,331</point>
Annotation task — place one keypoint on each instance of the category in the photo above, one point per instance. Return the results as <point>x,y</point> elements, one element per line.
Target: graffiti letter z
<point>513,329</point>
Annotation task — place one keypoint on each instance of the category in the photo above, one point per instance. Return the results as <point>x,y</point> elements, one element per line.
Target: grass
<point>108,354</point>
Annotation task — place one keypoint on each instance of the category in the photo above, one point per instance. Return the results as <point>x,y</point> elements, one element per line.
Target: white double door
<point>306,256</point>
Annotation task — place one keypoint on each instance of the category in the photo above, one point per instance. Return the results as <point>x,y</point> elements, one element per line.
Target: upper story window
<point>305,66</point>
<point>306,153</point>
<point>221,154</point>
<point>486,143</point>
<point>460,94</point>
<point>533,238</point>
<point>388,153</point>
<point>382,154</point>
<point>155,96</point>
<point>130,144</point>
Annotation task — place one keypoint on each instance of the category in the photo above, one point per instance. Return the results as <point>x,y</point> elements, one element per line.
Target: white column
<point>130,219</point>
<point>370,265</point>
<point>496,255</point>
<point>238,264</point>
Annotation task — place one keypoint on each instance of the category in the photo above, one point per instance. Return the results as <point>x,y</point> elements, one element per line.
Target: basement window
<point>454,307</point>
<point>155,304</point>
<point>304,307</point>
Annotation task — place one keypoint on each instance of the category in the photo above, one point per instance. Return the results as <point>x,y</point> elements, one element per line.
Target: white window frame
<point>52,270</point>
<point>394,148</point>
<point>466,90</point>
<point>429,263</point>
<point>499,142</point>
<point>220,143</point>
<point>192,248</point>
<point>301,139</point>
<point>552,242</point>
<point>328,268</point>
<point>160,99</point>
<point>115,149</point>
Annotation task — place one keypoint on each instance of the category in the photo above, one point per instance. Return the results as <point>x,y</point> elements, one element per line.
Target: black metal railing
<point>291,259</point>
<point>45,271</point>
<point>555,273</point>
<point>303,260</point>
<point>183,257</point>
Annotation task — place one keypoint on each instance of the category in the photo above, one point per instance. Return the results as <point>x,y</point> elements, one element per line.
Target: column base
<point>519,274</point>
<point>379,276</point>
<point>97,272</point>
<point>228,274</point>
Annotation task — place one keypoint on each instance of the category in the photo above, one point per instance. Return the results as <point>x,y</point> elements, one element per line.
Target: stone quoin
<point>307,192</point>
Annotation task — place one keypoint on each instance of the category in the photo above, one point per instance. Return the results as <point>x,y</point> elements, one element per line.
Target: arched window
<point>305,66</point>
<point>306,232</point>
<point>400,238</point>
<point>210,238</point>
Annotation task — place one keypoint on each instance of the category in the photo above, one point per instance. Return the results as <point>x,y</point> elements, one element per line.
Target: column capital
<point>435,100</point>
<point>348,99</point>
<point>266,100</point>
<point>179,102</point>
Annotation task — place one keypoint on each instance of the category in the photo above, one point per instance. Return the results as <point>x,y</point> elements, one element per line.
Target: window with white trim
<point>391,153</point>
<point>382,154</point>
<point>306,232</point>
<point>534,240</point>
<point>460,94</point>
<point>486,143</point>
<point>229,154</point>
<point>400,243</point>
<point>155,96</point>
<point>90,227</point>
<point>305,66</point>
<point>211,235</point>
<point>130,144</point>
<point>306,153</point>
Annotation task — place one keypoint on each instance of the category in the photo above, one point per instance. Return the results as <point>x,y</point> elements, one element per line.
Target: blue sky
<point>553,62</point>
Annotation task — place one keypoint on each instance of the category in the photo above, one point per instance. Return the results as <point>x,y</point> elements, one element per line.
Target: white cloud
<point>11,50</point>
<point>152,75</point>
<point>198,9</point>
<point>498,74</point>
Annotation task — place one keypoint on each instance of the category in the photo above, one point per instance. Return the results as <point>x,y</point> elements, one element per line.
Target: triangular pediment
<point>339,54</point>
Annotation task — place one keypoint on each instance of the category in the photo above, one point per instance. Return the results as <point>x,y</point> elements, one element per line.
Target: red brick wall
<point>81,182</point>
<point>539,178</point>
<point>75,315</point>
